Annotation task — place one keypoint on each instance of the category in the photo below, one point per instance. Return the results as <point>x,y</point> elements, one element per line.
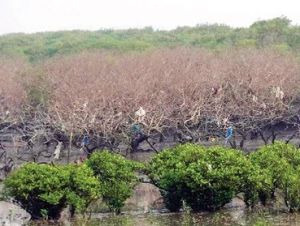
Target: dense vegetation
<point>191,82</point>
<point>277,33</point>
<point>208,178</point>
<point>279,166</point>
<point>117,176</point>
<point>191,91</point>
<point>195,81</point>
<point>44,190</point>
<point>204,178</point>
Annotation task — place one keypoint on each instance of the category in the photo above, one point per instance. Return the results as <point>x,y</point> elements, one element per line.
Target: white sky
<point>51,15</point>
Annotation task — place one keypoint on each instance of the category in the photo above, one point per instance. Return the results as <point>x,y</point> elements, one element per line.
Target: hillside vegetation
<point>277,33</point>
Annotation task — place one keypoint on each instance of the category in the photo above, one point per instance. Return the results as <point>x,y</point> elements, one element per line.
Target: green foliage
<point>117,177</point>
<point>83,187</point>
<point>45,189</point>
<point>274,33</point>
<point>268,32</point>
<point>206,178</point>
<point>279,165</point>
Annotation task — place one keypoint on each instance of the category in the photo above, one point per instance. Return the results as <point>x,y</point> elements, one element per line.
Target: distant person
<point>229,134</point>
<point>84,147</point>
<point>137,136</point>
<point>85,141</point>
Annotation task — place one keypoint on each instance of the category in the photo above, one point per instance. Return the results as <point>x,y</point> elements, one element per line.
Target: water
<point>221,218</point>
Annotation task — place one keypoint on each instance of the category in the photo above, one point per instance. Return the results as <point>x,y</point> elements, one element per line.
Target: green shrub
<point>206,178</point>
<point>44,190</point>
<point>279,165</point>
<point>292,190</point>
<point>83,187</point>
<point>117,177</point>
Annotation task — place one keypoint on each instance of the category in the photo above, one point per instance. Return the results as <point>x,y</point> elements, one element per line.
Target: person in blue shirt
<point>85,141</point>
<point>229,134</point>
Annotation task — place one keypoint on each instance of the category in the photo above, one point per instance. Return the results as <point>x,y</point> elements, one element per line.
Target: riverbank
<point>233,217</point>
